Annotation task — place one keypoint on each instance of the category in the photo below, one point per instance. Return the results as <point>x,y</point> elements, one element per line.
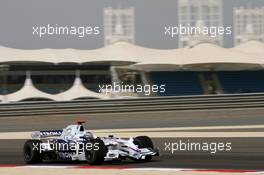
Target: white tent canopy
<point>120,51</point>
<point>79,91</point>
<point>250,47</point>
<point>202,56</point>
<point>210,53</point>
<point>213,57</point>
<point>28,91</point>
<point>17,55</point>
<point>205,53</point>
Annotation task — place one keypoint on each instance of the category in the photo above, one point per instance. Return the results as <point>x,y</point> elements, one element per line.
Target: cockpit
<point>74,132</point>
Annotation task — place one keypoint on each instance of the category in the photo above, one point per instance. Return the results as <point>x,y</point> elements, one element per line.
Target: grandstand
<point>69,74</point>
<point>178,83</point>
<point>242,81</point>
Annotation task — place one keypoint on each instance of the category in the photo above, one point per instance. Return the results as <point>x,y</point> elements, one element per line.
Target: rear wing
<point>45,134</point>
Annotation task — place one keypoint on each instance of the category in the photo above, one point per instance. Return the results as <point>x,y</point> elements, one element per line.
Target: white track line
<point>198,170</point>
<point>158,169</point>
<point>149,169</point>
<point>183,128</point>
<point>45,166</point>
<point>162,132</point>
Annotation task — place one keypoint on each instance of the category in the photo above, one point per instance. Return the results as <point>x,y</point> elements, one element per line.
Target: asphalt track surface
<point>247,153</point>
<point>239,158</point>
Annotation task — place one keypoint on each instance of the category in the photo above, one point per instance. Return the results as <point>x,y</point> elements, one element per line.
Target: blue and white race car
<point>75,143</point>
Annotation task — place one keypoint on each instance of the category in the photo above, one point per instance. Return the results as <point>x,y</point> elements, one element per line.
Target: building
<point>199,13</point>
<point>248,24</point>
<point>119,25</point>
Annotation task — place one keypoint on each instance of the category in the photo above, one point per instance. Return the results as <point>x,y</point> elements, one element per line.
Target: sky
<point>17,17</point>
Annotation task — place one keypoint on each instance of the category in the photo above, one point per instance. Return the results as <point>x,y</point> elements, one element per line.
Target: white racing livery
<point>75,143</point>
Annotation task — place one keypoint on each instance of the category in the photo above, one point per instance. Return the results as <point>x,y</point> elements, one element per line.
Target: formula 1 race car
<point>76,143</point>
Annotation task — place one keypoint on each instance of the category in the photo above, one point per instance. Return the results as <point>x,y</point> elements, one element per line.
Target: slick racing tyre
<point>31,152</point>
<point>144,142</point>
<point>96,154</point>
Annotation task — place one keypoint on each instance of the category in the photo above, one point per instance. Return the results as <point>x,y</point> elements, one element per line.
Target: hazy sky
<point>18,16</point>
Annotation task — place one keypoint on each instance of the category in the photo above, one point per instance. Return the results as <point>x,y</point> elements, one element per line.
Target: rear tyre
<point>31,152</point>
<point>144,142</point>
<point>95,155</point>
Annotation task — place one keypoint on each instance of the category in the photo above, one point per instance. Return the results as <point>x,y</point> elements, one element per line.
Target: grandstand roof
<point>120,51</point>
<point>251,47</point>
<point>210,56</point>
<point>202,55</point>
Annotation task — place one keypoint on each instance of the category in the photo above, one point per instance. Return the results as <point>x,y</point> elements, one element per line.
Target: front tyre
<point>95,155</point>
<point>144,142</point>
<point>31,152</point>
